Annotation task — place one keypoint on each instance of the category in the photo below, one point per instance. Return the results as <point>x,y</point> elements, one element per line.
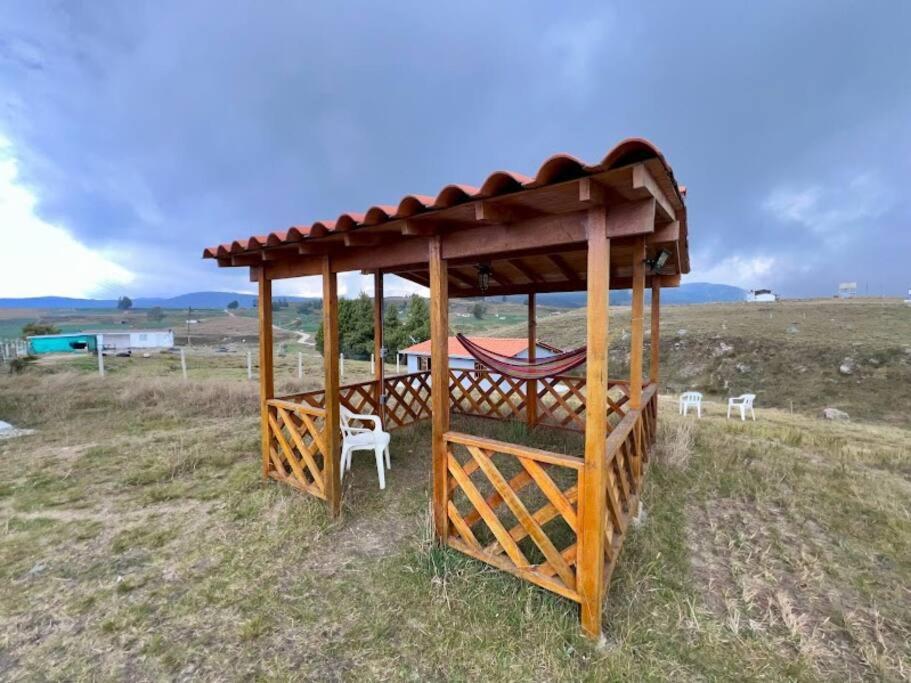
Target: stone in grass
<point>834,414</point>
<point>847,366</point>
<point>7,431</point>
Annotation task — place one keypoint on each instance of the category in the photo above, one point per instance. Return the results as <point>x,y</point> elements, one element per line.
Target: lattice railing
<point>482,393</point>
<point>515,508</point>
<point>358,398</point>
<point>297,445</point>
<point>407,398</point>
<point>627,455</point>
<point>561,402</point>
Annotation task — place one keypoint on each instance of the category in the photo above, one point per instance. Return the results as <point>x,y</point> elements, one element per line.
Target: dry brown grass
<point>139,542</point>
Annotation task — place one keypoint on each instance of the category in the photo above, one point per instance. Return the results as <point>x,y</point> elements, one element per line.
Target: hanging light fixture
<point>484,273</point>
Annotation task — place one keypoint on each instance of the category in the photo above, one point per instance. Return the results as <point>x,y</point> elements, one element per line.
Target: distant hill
<point>194,299</point>
<point>689,293</point>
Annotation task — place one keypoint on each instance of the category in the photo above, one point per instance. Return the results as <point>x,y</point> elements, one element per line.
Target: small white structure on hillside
<point>417,357</point>
<point>124,340</point>
<point>762,296</point>
<point>847,290</point>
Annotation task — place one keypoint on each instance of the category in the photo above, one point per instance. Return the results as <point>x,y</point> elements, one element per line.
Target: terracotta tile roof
<point>556,169</point>
<point>505,346</point>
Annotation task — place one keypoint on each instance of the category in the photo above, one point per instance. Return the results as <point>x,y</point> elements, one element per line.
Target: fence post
<point>100,362</point>
<point>300,365</point>
<point>372,365</point>
<point>397,371</point>
<point>183,362</point>
<point>249,365</point>
<point>341,365</point>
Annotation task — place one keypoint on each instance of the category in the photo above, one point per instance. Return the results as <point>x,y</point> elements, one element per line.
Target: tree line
<point>402,326</point>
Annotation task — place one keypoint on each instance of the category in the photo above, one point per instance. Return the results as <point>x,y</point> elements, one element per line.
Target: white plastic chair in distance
<point>690,399</point>
<point>744,403</point>
<point>356,438</point>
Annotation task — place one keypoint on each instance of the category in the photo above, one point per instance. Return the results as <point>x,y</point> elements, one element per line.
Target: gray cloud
<point>161,128</point>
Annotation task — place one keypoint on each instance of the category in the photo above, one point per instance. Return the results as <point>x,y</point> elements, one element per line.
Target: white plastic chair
<point>744,402</point>
<point>690,398</point>
<point>362,439</point>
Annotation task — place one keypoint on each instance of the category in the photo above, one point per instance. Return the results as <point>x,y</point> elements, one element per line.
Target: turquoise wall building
<point>62,343</point>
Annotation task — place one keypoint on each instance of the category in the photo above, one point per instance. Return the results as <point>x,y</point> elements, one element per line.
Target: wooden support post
<point>655,360</point>
<point>300,365</point>
<point>378,347</point>
<point>341,364</point>
<point>531,387</point>
<point>183,362</point>
<point>266,382</point>
<point>636,325</point>
<point>439,384</point>
<point>249,365</point>
<point>331,470</point>
<point>592,509</point>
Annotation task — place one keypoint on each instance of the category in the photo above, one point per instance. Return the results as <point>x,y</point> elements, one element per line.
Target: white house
<point>417,357</point>
<point>762,296</point>
<point>847,290</point>
<point>124,340</point>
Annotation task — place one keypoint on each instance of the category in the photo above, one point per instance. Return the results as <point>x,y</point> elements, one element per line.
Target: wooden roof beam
<point>529,274</point>
<point>571,275</point>
<point>487,212</point>
<point>463,278</point>
<point>363,239</point>
<point>562,231</point>
<point>643,180</point>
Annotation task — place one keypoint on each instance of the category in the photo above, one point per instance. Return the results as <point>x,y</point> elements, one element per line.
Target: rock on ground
<point>834,414</point>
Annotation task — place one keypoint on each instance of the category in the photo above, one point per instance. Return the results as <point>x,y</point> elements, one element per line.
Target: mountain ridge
<point>689,293</point>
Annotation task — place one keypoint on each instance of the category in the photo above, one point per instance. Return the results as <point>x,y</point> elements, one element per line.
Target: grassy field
<point>789,353</point>
<point>139,541</point>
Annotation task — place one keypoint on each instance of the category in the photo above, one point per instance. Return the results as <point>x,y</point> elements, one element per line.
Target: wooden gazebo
<point>553,519</point>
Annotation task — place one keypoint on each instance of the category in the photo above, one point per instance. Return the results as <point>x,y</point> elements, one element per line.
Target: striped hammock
<point>521,368</point>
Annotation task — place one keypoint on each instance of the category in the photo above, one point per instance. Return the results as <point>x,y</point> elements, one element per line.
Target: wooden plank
<point>636,325</point>
<point>439,382</point>
<point>655,359</point>
<point>536,454</point>
<point>542,516</point>
<point>531,388</point>
<point>487,514</point>
<point>590,564</point>
<point>547,231</point>
<point>552,492</point>
<point>505,565</point>
<point>464,531</point>
<point>379,365</point>
<point>642,179</point>
<point>524,517</point>
<point>289,454</point>
<point>331,471</point>
<point>303,448</point>
<point>291,481</point>
<point>266,377</point>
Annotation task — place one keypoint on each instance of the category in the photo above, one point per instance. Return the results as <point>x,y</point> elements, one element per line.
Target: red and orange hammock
<point>524,369</point>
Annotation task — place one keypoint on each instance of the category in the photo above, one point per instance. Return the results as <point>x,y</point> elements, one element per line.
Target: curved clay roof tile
<point>452,195</point>
<point>503,182</point>
<point>556,169</point>
<point>412,204</point>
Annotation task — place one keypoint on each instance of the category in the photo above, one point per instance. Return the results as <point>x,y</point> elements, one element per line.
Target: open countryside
<point>159,541</point>
<point>440,342</point>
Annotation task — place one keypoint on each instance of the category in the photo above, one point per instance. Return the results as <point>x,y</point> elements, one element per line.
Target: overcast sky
<point>134,134</point>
